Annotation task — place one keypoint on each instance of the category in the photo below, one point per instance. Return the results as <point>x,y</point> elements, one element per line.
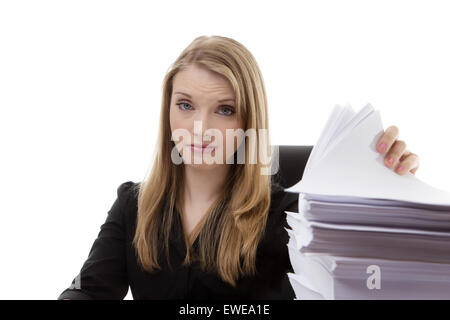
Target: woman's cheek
<point>230,144</point>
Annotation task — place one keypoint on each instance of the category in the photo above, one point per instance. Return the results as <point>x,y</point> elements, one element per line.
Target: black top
<point>112,264</point>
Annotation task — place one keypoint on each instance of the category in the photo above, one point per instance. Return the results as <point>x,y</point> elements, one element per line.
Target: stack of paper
<point>363,231</point>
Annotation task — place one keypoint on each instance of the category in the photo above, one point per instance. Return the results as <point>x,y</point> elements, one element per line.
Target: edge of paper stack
<point>362,230</point>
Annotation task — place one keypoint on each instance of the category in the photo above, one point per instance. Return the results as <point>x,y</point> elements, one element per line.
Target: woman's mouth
<point>204,148</point>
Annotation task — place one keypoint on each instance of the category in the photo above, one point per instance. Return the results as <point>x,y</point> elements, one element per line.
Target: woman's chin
<point>206,163</point>
<point>203,166</point>
<point>206,160</point>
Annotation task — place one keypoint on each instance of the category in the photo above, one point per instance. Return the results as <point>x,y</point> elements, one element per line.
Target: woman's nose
<point>201,123</point>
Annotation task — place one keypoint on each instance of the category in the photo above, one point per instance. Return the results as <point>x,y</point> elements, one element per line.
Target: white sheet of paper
<point>354,168</point>
<point>302,227</point>
<point>303,291</point>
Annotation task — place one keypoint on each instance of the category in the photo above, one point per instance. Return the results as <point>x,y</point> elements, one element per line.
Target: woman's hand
<point>396,153</point>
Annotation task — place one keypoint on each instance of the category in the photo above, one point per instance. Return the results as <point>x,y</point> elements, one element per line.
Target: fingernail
<point>400,168</point>
<point>391,161</point>
<point>382,147</point>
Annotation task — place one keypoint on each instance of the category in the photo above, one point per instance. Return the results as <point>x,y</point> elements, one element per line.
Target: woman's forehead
<point>202,81</point>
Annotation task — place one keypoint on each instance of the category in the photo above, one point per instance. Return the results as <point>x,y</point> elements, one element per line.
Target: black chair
<point>291,164</point>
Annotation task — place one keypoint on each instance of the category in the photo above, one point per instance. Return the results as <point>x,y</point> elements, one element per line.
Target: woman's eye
<point>183,103</point>
<point>225,110</point>
<point>228,111</point>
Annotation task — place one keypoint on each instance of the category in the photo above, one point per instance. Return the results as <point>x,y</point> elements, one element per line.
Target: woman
<point>204,229</point>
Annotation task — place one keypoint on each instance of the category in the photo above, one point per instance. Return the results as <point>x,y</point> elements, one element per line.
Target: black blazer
<point>112,266</point>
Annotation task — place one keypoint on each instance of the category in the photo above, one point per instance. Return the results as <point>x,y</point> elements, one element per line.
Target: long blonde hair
<point>229,233</point>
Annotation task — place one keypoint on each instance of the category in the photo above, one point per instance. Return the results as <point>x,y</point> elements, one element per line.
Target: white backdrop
<point>80,94</point>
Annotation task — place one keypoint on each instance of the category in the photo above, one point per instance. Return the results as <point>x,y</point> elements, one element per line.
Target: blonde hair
<point>229,233</point>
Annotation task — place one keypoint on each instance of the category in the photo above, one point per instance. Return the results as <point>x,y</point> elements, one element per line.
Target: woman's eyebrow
<point>223,100</point>
<point>187,95</point>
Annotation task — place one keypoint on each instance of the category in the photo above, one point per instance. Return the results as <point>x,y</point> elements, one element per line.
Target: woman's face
<point>203,105</point>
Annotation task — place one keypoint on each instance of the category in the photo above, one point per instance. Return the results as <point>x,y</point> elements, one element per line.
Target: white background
<point>80,94</point>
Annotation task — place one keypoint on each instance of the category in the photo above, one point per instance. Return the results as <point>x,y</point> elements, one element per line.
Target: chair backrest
<point>291,161</point>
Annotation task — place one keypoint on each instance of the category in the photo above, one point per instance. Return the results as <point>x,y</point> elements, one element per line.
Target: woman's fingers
<point>387,139</point>
<point>408,162</point>
<point>396,151</point>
